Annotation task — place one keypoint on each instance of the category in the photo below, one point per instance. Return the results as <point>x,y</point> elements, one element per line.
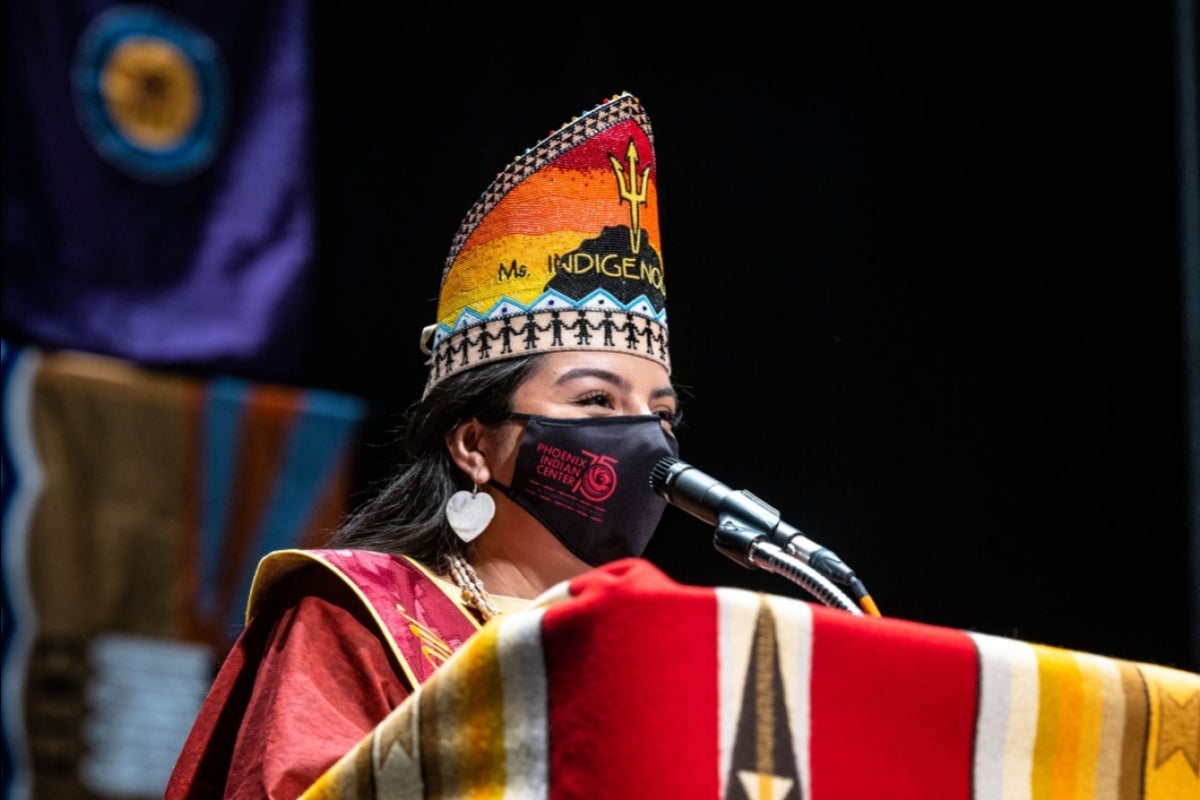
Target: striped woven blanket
<point>625,684</point>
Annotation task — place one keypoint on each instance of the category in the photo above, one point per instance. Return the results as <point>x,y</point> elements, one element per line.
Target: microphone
<point>711,501</point>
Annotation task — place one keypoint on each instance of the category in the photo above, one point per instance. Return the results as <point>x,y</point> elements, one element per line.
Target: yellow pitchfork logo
<point>635,194</point>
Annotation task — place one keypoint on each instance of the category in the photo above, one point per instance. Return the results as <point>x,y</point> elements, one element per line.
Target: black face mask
<point>587,480</point>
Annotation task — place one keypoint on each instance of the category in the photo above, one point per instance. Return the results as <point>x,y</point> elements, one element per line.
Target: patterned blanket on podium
<point>623,683</point>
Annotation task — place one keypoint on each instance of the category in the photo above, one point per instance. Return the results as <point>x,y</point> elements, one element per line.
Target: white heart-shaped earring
<point>470,512</point>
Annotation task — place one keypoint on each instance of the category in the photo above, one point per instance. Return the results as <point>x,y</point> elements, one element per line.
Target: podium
<point>625,684</point>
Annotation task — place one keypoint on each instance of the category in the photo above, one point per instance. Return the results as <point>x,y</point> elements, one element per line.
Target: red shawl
<point>334,641</point>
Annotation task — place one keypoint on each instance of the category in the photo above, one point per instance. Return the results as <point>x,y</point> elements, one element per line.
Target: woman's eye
<point>670,418</point>
<point>598,399</point>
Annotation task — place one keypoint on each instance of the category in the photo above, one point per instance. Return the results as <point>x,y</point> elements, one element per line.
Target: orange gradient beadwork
<point>562,252</point>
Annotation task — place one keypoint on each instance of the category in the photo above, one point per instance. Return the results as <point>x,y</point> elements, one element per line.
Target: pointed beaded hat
<point>562,251</point>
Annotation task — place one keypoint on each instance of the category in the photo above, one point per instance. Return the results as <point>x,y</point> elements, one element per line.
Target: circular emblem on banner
<point>150,93</point>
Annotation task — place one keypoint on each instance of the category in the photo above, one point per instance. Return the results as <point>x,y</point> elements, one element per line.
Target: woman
<point>524,552</point>
<point>548,403</point>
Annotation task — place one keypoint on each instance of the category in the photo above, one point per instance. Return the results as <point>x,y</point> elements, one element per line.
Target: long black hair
<point>408,516</point>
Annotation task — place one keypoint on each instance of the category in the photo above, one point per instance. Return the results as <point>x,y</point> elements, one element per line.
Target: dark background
<point>923,272</point>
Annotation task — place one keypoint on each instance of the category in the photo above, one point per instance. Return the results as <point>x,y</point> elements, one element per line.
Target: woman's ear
<point>463,443</point>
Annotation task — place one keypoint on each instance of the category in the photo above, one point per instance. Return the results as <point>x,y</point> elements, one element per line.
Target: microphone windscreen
<point>661,471</point>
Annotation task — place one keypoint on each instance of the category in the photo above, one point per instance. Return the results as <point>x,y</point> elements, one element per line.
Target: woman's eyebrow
<point>664,391</point>
<point>595,372</point>
<point>617,380</point>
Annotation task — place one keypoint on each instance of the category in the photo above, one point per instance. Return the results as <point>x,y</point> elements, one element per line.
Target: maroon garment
<point>309,677</point>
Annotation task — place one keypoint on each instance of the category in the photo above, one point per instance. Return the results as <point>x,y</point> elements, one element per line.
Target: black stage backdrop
<point>923,271</point>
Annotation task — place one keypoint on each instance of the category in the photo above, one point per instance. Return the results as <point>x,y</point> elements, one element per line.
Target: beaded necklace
<point>473,593</point>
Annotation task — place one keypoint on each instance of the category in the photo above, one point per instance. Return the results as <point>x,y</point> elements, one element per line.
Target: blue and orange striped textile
<point>137,505</point>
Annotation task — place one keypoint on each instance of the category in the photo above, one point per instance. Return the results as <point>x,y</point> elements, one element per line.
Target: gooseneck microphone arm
<point>741,520</point>
<point>752,549</point>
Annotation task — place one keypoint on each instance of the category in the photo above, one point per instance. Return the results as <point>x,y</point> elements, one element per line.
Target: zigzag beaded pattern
<point>571,134</point>
<point>544,331</point>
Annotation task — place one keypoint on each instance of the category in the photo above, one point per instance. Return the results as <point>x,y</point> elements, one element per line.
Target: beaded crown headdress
<point>562,252</point>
